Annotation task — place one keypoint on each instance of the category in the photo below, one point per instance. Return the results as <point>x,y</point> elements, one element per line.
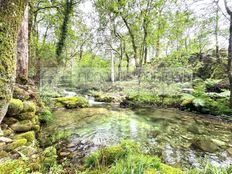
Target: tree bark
<point>64,29</point>
<point>11,13</point>
<point>229,62</point>
<point>22,51</point>
<point>135,49</point>
<point>217,31</point>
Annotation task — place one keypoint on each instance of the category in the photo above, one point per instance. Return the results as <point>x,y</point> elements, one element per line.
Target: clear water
<point>162,132</point>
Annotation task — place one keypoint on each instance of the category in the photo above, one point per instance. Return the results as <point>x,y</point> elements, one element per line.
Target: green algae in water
<point>166,133</point>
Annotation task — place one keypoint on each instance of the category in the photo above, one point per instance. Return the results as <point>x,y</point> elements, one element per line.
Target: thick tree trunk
<point>22,51</point>
<point>229,65</point>
<point>11,13</point>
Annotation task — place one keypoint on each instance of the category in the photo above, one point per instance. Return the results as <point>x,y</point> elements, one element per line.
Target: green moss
<point>20,94</point>
<point>72,102</point>
<point>46,116</point>
<point>11,13</point>
<point>17,143</point>
<point>29,106</point>
<point>26,116</point>
<point>15,107</point>
<point>165,169</point>
<point>14,167</point>
<point>22,126</point>
<point>29,136</point>
<point>103,97</point>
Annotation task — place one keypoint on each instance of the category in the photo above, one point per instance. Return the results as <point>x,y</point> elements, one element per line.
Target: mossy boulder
<point>26,116</point>
<point>29,106</point>
<point>20,93</point>
<point>22,126</point>
<point>103,98</point>
<point>7,132</point>
<point>29,136</point>
<point>10,120</point>
<point>15,107</point>
<point>17,143</point>
<point>72,102</point>
<point>205,144</point>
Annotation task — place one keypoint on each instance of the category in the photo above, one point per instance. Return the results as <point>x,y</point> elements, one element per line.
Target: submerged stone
<point>193,128</point>
<point>229,151</point>
<point>219,142</point>
<point>205,144</point>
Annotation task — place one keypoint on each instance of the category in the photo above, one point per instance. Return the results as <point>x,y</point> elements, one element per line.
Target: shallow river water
<point>167,133</point>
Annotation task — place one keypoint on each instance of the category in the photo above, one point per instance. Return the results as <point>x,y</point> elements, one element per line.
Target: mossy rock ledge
<point>72,102</point>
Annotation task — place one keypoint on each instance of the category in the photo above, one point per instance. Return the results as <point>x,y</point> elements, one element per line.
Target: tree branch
<point>227,8</point>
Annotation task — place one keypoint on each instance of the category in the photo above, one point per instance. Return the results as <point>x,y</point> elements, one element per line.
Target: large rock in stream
<point>205,144</point>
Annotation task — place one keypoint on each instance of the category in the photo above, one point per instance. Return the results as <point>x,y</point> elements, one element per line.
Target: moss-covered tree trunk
<point>229,62</point>
<point>11,13</point>
<point>22,51</point>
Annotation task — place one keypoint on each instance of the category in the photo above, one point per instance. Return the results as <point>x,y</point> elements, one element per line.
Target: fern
<point>199,102</point>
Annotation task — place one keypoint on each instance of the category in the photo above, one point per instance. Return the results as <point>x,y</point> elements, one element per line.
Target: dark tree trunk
<point>11,14</point>
<point>230,60</point>
<point>229,63</point>
<point>135,49</point>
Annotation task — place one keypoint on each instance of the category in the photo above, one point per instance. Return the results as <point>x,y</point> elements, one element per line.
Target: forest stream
<point>179,138</point>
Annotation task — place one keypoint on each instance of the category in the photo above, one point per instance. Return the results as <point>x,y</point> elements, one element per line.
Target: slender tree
<point>11,14</point>
<point>69,5</point>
